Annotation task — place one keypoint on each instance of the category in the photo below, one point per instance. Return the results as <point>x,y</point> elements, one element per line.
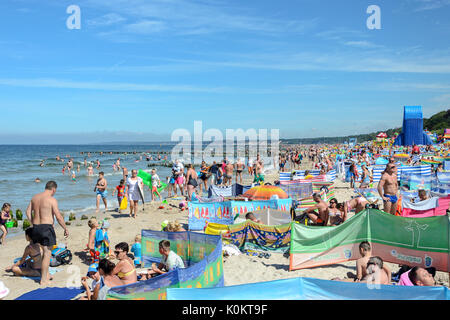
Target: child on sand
<point>155,183</point>
<point>377,273</point>
<point>97,282</point>
<point>136,250</point>
<point>366,253</point>
<point>4,218</point>
<point>93,225</point>
<point>102,240</point>
<point>120,192</point>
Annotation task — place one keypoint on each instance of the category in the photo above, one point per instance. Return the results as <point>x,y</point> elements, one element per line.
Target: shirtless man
<point>125,173</point>
<point>322,207</point>
<point>100,188</point>
<point>388,188</point>
<point>258,168</point>
<point>229,168</point>
<point>239,168</point>
<point>42,211</point>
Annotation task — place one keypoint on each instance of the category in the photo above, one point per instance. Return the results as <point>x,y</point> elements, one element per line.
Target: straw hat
<point>4,291</point>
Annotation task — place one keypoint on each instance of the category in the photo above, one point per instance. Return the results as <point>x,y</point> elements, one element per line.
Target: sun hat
<point>4,291</point>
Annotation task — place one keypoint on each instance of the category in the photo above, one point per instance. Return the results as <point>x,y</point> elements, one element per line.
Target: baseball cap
<point>4,291</point>
<point>92,268</point>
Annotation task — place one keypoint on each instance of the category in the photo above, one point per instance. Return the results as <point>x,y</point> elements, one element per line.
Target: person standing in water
<point>100,188</point>
<point>90,170</point>
<point>41,212</point>
<point>5,217</point>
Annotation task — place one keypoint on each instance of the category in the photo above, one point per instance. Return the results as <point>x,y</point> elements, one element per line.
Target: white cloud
<point>425,5</point>
<point>106,20</point>
<point>185,17</point>
<point>362,44</point>
<point>67,84</point>
<point>145,27</point>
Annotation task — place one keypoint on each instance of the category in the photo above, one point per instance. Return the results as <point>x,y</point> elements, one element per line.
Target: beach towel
<point>229,191</point>
<point>253,236</point>
<point>51,293</point>
<point>422,205</point>
<point>404,279</point>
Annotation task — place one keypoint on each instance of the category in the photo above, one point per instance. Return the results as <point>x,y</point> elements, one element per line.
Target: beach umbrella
<point>265,193</point>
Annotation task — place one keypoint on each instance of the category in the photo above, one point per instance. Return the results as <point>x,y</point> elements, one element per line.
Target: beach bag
<point>60,256</point>
<point>124,203</point>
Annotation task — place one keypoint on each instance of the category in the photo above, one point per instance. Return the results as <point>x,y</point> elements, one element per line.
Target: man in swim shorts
<point>100,188</point>
<point>229,168</point>
<point>259,177</point>
<point>388,189</point>
<point>42,211</point>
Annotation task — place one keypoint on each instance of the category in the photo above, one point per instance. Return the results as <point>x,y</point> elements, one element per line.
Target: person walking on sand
<point>133,184</point>
<point>42,211</point>
<point>388,189</point>
<point>100,188</point>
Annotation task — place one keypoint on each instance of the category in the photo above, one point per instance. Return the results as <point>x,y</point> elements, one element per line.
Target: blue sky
<point>139,69</point>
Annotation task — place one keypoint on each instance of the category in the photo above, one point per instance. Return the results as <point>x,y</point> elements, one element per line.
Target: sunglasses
<point>117,252</point>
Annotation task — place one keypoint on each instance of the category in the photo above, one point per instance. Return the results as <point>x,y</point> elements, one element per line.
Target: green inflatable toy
<point>147,180</point>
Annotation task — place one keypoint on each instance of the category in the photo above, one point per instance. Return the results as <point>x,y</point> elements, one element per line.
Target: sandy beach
<point>239,269</point>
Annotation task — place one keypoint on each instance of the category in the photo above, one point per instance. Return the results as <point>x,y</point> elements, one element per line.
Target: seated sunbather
<point>124,269</point>
<point>30,263</point>
<point>336,212</point>
<point>362,264</point>
<point>377,273</point>
<point>169,261</point>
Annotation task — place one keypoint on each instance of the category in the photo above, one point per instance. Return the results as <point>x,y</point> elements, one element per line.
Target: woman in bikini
<point>125,269</point>
<point>336,212</point>
<point>30,263</point>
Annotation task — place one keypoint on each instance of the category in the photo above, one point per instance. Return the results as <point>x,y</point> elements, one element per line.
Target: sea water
<point>19,167</point>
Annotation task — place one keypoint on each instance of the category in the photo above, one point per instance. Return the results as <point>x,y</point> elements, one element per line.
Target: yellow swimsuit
<point>122,275</point>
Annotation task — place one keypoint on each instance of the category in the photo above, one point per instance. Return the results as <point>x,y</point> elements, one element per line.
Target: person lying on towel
<point>417,276</point>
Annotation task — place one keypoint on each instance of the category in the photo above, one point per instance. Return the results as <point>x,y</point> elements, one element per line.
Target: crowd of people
<point>43,211</point>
